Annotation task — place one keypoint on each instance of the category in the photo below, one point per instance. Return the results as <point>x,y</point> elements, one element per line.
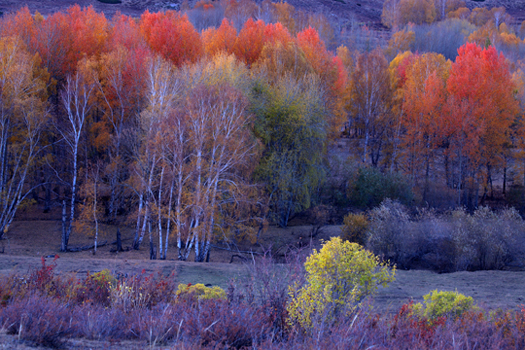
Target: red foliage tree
<point>171,35</point>
<point>481,110</point>
<point>250,41</point>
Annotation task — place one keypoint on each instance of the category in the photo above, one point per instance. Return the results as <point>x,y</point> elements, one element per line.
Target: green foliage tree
<point>370,187</point>
<point>290,123</point>
<point>338,278</point>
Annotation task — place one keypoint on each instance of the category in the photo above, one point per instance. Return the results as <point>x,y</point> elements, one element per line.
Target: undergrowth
<point>45,309</point>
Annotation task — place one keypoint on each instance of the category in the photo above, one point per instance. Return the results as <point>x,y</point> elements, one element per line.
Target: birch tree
<point>76,98</point>
<point>371,97</point>
<point>221,144</point>
<point>162,91</point>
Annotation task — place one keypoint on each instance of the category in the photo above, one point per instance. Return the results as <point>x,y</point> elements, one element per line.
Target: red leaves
<point>172,36</point>
<point>250,41</point>
<point>255,35</point>
<point>314,48</point>
<point>124,31</point>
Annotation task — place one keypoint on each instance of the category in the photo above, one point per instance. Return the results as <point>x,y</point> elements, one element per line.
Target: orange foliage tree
<point>250,42</point>
<point>124,31</point>
<point>220,39</point>
<point>423,105</point>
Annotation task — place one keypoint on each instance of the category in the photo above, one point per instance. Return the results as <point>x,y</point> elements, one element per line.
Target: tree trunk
<point>159,206</point>
<point>95,217</point>
<point>73,192</point>
<point>152,248</point>
<point>63,246</point>
<point>504,180</point>
<point>119,240</point>
<point>137,230</point>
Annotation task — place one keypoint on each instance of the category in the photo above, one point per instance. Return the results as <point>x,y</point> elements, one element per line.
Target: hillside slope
<point>342,11</point>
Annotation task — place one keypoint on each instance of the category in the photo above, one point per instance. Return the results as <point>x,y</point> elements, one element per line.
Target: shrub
<point>200,292</point>
<point>96,288</point>
<point>142,291</point>
<point>486,240</point>
<point>338,278</point>
<point>156,326</point>
<point>370,187</point>
<point>266,285</point>
<point>355,228</point>
<point>38,319</point>
<point>101,323</point>
<point>223,325</point>
<point>127,296</point>
<point>390,233</point>
<point>439,304</point>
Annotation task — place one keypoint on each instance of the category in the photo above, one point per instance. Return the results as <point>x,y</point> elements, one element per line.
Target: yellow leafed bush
<point>338,278</point>
<point>200,291</point>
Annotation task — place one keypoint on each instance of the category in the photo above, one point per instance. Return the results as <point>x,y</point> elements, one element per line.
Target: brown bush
<point>355,228</point>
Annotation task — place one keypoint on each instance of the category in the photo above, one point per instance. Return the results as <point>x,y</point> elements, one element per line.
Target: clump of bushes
<point>38,319</point>
<point>142,291</point>
<point>95,288</point>
<point>454,241</point>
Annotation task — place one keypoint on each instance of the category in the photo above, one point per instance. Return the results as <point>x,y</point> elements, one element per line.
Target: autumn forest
<point>207,124</point>
<point>357,184</point>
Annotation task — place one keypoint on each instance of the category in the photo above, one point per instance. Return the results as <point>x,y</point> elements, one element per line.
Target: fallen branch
<point>86,247</point>
<point>241,258</point>
<point>236,251</point>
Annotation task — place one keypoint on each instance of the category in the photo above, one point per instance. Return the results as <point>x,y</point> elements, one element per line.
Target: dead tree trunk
<point>119,240</point>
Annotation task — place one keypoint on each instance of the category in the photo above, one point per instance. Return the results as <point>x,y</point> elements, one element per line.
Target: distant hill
<point>345,11</point>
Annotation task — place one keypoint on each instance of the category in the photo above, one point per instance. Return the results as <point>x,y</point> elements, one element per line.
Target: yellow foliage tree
<point>338,278</point>
<point>23,114</point>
